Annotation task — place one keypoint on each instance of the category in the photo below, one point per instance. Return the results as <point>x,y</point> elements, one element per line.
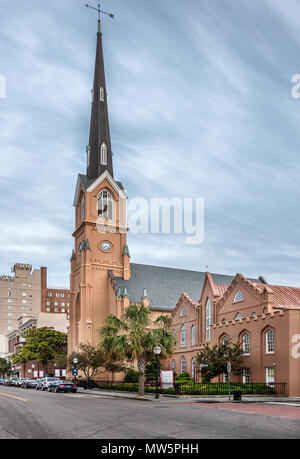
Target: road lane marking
<point>13,396</point>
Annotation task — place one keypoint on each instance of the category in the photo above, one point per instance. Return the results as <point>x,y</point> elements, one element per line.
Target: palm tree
<point>134,335</point>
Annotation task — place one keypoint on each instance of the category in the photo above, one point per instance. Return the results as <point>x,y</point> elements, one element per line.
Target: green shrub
<point>131,376</point>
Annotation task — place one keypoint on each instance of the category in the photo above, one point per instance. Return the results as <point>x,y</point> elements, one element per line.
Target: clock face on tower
<point>106,246</point>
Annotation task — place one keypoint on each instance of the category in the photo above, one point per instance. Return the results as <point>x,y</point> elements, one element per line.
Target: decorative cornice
<point>245,320</point>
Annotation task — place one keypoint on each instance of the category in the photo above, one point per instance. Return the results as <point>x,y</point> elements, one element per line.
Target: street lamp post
<point>157,351</point>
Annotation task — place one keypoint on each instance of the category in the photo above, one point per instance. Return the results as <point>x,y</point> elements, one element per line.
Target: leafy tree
<point>4,366</point>
<point>213,360</point>
<point>92,361</point>
<point>42,344</point>
<point>132,338</point>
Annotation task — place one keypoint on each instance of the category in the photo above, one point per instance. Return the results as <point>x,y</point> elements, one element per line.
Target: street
<point>31,414</point>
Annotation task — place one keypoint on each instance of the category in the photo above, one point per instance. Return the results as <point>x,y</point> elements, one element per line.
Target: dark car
<point>62,386</point>
<point>29,384</point>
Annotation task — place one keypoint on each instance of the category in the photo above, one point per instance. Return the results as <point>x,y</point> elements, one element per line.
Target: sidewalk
<point>189,398</point>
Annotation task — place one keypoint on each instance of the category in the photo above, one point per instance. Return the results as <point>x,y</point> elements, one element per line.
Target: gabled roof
<point>285,297</point>
<point>90,184</point>
<point>165,285</point>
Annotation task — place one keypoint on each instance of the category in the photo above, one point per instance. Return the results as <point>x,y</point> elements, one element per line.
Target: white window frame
<point>270,343</point>
<point>105,199</point>
<point>270,379</point>
<point>246,343</point>
<point>246,376</point>
<point>238,297</point>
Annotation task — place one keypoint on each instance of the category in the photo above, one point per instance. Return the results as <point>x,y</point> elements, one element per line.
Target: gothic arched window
<point>208,319</point>
<point>103,154</point>
<point>193,335</point>
<point>183,336</point>
<point>105,205</point>
<point>182,365</point>
<point>246,343</point>
<point>270,340</point>
<point>82,208</point>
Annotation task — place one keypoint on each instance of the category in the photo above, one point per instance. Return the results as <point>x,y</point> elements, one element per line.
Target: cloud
<point>200,106</point>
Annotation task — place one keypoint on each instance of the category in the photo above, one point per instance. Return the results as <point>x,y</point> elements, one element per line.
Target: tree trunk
<point>142,361</point>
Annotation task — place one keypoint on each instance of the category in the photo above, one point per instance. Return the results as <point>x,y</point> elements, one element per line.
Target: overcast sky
<point>200,106</point>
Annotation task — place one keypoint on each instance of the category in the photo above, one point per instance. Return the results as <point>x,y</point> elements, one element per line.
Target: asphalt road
<point>26,414</point>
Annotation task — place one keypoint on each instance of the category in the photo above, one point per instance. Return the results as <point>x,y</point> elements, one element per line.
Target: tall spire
<point>99,154</point>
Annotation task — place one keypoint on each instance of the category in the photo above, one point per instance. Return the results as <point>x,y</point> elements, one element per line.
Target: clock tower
<point>100,249</point>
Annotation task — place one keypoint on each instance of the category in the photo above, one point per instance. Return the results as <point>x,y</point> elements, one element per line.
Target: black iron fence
<point>194,388</point>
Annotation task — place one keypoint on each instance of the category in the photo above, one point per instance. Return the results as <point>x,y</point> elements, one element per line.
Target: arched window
<point>253,314</point>
<point>103,154</point>
<point>238,316</point>
<point>238,297</point>
<point>174,366</point>
<point>182,312</point>
<point>82,208</point>
<point>193,335</point>
<point>183,336</point>
<point>208,319</point>
<point>101,94</point>
<point>182,365</point>
<point>246,343</point>
<point>193,368</point>
<point>105,205</point>
<point>224,321</point>
<point>225,340</point>
<point>270,341</point>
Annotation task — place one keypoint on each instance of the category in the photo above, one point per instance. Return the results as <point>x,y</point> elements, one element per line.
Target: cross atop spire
<point>99,154</point>
<point>99,14</point>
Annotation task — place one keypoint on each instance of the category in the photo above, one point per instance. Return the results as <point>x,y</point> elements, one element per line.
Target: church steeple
<point>99,154</point>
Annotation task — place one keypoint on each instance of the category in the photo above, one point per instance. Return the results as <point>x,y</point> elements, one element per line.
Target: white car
<point>47,381</point>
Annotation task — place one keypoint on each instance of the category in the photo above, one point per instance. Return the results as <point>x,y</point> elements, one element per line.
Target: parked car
<point>39,384</point>
<point>1,382</point>
<point>62,386</point>
<point>29,384</point>
<point>24,382</point>
<point>44,383</point>
<point>13,381</point>
<point>19,382</point>
<point>6,381</point>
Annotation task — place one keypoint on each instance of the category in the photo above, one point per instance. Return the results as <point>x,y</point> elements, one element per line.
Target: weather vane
<point>99,11</point>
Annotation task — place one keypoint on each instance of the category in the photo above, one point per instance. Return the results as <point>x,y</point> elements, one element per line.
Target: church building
<point>205,308</point>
